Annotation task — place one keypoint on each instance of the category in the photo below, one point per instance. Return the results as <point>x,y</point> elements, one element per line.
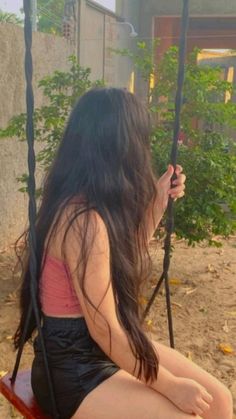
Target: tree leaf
<point>226,348</point>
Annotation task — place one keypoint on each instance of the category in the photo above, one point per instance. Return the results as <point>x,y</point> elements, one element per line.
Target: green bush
<point>208,151</point>
<point>6,17</point>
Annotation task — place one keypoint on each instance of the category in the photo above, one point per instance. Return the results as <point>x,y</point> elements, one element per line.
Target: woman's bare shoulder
<point>78,224</point>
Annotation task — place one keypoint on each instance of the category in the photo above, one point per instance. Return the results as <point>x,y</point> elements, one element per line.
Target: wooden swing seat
<point>20,395</point>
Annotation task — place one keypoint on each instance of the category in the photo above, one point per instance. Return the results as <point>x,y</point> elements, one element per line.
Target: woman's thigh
<point>180,366</point>
<point>123,397</point>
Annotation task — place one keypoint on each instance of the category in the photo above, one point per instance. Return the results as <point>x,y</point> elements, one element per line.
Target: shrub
<point>208,149</point>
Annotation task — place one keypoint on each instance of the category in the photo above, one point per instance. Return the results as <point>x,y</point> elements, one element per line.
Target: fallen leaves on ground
<point>175,281</point>
<point>226,348</point>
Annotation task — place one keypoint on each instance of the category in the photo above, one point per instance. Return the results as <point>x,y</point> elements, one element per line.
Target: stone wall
<point>49,53</point>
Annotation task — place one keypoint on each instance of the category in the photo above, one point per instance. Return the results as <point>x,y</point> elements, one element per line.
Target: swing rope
<point>174,153</point>
<point>32,209</point>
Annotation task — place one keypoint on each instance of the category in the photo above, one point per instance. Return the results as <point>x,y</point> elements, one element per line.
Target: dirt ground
<point>203,292</point>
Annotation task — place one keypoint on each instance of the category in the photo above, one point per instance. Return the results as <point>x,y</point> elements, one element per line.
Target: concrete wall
<point>91,39</point>
<point>98,32</point>
<point>49,53</point>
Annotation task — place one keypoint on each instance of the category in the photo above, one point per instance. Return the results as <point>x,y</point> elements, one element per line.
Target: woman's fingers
<point>180,180</point>
<point>179,186</point>
<point>178,169</point>
<point>203,403</point>
<point>207,396</point>
<point>204,406</point>
<point>177,191</point>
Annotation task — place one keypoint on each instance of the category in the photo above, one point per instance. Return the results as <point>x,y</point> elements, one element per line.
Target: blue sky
<point>14,6</point>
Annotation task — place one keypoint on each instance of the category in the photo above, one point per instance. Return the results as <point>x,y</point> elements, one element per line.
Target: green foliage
<point>208,151</point>
<point>10,18</point>
<point>62,90</point>
<point>50,14</point>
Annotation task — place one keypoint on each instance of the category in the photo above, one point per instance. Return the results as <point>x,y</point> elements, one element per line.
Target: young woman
<point>101,204</point>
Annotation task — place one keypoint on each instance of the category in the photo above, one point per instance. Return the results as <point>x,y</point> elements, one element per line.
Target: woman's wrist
<point>154,215</point>
<point>165,382</point>
<point>159,206</point>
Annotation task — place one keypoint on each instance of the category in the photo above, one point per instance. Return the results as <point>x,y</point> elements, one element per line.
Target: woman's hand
<point>156,209</point>
<point>189,396</point>
<point>164,188</point>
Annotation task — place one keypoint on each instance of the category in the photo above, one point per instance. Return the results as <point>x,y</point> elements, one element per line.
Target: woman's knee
<point>224,401</point>
<point>227,400</point>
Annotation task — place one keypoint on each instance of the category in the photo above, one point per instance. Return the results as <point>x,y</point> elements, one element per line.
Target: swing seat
<point>20,395</point>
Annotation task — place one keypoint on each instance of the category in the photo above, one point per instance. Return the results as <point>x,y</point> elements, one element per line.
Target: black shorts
<point>76,362</point>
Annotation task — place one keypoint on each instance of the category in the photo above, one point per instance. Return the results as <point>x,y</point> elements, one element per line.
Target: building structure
<point>212,24</point>
<point>99,32</point>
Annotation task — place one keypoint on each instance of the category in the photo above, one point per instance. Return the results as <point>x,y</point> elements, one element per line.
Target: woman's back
<point>56,291</point>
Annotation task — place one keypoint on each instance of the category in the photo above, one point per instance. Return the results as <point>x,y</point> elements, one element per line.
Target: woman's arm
<point>157,209</point>
<point>99,290</point>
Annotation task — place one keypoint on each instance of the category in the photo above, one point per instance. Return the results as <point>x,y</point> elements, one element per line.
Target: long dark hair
<point>104,156</point>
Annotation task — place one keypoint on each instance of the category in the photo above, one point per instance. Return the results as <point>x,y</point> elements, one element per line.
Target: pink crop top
<point>56,291</point>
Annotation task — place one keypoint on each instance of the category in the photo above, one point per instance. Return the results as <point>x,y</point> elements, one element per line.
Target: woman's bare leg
<point>123,397</point>
<point>222,406</point>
